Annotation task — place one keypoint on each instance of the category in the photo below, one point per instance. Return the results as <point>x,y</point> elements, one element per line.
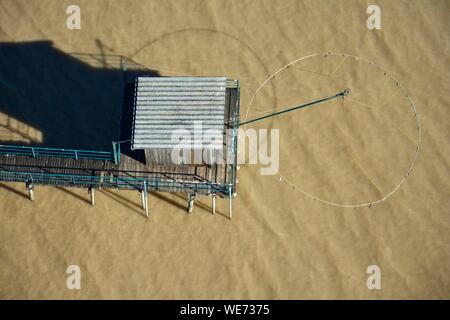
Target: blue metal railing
<point>112,182</point>
<point>54,152</point>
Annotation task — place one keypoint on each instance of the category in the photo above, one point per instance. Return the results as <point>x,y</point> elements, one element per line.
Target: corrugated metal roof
<point>193,105</point>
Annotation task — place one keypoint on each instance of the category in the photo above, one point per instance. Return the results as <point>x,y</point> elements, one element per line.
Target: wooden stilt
<point>30,190</point>
<point>191,198</point>
<point>145,199</point>
<point>146,204</point>
<point>91,192</point>
<point>213,198</point>
<point>230,211</point>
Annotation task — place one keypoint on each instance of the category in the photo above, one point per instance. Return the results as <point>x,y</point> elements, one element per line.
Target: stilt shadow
<point>73,194</point>
<point>168,200</point>
<point>6,187</point>
<point>123,201</point>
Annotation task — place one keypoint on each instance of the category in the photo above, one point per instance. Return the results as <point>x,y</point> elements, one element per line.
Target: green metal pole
<point>116,160</point>
<point>340,94</point>
<point>118,153</point>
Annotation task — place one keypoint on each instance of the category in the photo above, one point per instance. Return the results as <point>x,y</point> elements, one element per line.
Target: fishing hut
<point>180,136</point>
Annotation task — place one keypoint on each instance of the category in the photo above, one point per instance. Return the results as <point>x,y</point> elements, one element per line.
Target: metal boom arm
<point>342,94</point>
